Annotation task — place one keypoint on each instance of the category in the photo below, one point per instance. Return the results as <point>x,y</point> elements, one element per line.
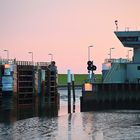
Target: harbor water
<point>96,125</point>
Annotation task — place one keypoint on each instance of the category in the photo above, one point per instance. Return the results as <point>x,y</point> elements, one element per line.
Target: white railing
<point>120,60</point>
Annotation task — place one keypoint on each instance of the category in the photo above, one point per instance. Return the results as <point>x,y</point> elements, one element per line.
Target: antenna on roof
<point>116,23</point>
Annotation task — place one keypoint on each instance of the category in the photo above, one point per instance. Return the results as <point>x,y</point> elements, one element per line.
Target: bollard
<point>69,90</point>
<point>73,88</point>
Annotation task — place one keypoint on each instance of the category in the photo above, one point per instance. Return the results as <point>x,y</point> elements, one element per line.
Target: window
<point>128,39</point>
<point>138,67</point>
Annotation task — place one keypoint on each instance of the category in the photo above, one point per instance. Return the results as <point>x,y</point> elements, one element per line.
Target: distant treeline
<point>79,78</point>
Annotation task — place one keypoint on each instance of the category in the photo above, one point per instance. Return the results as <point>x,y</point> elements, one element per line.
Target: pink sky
<point>66,28</point>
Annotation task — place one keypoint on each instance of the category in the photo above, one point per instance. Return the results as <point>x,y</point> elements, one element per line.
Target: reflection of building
<point>88,119</point>
<point>123,70</point>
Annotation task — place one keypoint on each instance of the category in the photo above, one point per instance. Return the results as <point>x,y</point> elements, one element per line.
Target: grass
<point>79,78</point>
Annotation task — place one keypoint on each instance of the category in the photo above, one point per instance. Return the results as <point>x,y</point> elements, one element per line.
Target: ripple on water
<point>89,125</point>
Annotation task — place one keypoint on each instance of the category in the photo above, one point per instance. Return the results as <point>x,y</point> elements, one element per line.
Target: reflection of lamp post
<point>89,52</point>
<point>51,56</point>
<point>32,56</point>
<point>110,52</point>
<point>7,53</point>
<point>128,54</point>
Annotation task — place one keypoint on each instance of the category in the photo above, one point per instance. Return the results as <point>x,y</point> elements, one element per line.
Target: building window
<point>138,68</point>
<point>129,39</point>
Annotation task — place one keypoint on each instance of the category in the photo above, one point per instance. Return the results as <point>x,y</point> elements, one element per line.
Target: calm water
<point>109,125</point>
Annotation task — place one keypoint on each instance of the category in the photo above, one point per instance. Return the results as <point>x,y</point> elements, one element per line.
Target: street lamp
<point>110,52</point>
<point>89,52</point>
<point>7,53</point>
<point>116,22</point>
<point>128,54</point>
<point>51,56</point>
<point>31,55</point>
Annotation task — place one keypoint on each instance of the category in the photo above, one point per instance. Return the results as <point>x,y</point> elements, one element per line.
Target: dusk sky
<point>66,28</point>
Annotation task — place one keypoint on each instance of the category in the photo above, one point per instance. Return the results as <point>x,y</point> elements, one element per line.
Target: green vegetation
<point>98,78</point>
<point>79,78</point>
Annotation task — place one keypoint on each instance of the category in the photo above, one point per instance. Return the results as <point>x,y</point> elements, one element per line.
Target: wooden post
<point>69,91</point>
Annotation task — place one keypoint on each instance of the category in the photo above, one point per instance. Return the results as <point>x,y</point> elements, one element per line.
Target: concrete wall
<point>123,73</point>
<point>119,75</point>
<point>136,57</point>
<point>133,73</point>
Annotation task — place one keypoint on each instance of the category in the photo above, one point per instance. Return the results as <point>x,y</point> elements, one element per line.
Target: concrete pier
<point>111,96</point>
<point>31,86</point>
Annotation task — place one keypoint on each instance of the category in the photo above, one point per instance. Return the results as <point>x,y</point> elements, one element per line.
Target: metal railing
<point>14,61</point>
<point>120,60</point>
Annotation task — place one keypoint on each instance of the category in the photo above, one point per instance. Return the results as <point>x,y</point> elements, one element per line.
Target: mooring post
<point>69,90</point>
<point>73,88</point>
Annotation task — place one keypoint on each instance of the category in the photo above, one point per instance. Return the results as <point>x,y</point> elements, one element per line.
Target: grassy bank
<point>79,78</point>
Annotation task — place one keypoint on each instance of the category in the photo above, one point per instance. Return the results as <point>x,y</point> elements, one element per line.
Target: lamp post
<point>51,56</point>
<point>90,73</point>
<point>110,51</point>
<point>7,53</point>
<point>31,55</point>
<point>128,54</point>
<point>116,22</point>
<point>89,52</point>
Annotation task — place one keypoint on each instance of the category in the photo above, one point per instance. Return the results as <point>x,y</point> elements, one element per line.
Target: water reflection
<point>98,136</point>
<point>11,112</point>
<point>40,123</point>
<point>64,99</point>
<point>90,126</point>
<point>87,123</point>
<point>73,107</point>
